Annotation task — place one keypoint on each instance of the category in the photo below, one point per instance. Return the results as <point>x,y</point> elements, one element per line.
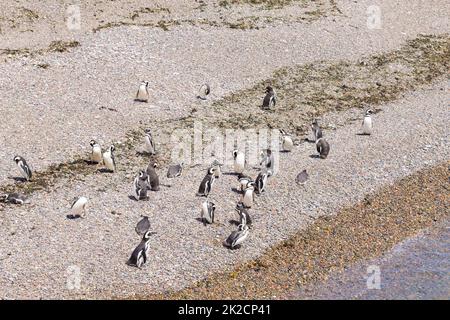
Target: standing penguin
<point>317,132</point>
<point>149,144</point>
<point>24,168</point>
<point>204,91</point>
<point>14,198</point>
<point>109,160</point>
<point>267,160</point>
<point>153,176</point>
<point>140,254</point>
<point>206,184</point>
<point>78,208</point>
<point>141,186</point>
<point>216,165</point>
<point>243,214</point>
<point>96,154</point>
<point>286,141</point>
<point>323,148</point>
<point>270,100</point>
<point>239,161</point>
<point>142,94</point>
<point>237,237</point>
<point>367,123</point>
<point>249,195</point>
<point>261,181</point>
<point>207,213</point>
<point>243,181</point>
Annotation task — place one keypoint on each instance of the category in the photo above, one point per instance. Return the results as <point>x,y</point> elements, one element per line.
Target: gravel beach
<point>54,101</point>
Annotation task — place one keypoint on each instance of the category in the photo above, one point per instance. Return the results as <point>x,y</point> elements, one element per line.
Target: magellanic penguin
<point>206,184</point>
<point>142,226</point>
<point>270,100</point>
<point>78,208</point>
<point>367,123</point>
<point>24,168</point>
<point>249,195</point>
<point>14,198</point>
<point>175,170</point>
<point>317,132</point>
<point>96,154</point>
<point>239,161</point>
<point>109,159</point>
<point>243,181</point>
<point>261,181</point>
<point>142,94</point>
<point>204,91</point>
<point>243,214</point>
<point>302,177</point>
<point>237,237</point>
<point>149,143</point>
<point>267,160</point>
<point>286,141</point>
<point>217,166</point>
<point>207,213</point>
<point>141,186</point>
<point>323,148</point>
<point>153,176</point>
<point>140,254</point>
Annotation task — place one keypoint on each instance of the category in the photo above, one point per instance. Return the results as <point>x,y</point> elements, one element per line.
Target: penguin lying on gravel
<point>14,198</point>
<point>323,148</point>
<point>236,238</point>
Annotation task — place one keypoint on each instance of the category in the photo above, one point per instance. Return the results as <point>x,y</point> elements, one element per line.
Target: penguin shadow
<point>202,98</point>
<point>90,162</point>
<point>143,153</point>
<point>104,170</point>
<point>18,179</point>
<point>362,134</point>
<point>314,156</point>
<point>234,222</point>
<point>230,173</point>
<point>307,140</point>
<point>228,247</point>
<point>140,100</point>
<point>134,199</point>
<point>236,190</point>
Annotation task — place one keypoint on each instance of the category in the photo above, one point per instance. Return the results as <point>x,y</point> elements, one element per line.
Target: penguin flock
<point>148,179</point>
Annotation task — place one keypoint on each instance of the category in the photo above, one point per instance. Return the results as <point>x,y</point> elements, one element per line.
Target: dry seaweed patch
<point>304,91</point>
<point>54,46</point>
<point>362,231</point>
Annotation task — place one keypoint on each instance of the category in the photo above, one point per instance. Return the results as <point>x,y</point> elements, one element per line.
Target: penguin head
<point>148,234</point>
<point>235,152</point>
<point>142,174</point>
<point>211,171</point>
<point>239,207</point>
<point>269,89</point>
<point>92,142</point>
<point>369,112</point>
<point>148,131</point>
<point>17,159</point>
<point>242,227</point>
<point>155,164</point>
<point>112,148</point>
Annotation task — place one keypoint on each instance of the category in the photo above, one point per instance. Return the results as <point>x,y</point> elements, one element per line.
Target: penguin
<point>323,148</point>
<point>206,184</point>
<point>141,186</point>
<point>78,208</point>
<point>204,91</point>
<point>142,94</point>
<point>287,143</point>
<point>149,144</point>
<point>270,100</point>
<point>96,154</point>
<point>140,254</point>
<point>216,165</point>
<point>207,213</point>
<point>142,226</point>
<point>14,198</point>
<point>153,176</point>
<point>236,238</point>
<point>302,177</point>
<point>367,123</point>
<point>267,160</point>
<point>109,160</point>
<point>243,214</point>
<point>248,196</point>
<point>239,161</point>
<point>175,170</point>
<point>261,181</point>
<point>317,132</point>
<point>243,181</point>
<point>24,168</point>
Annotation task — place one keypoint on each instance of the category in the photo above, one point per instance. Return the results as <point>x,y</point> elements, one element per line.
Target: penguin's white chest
<point>206,213</point>
<point>248,198</point>
<point>149,145</point>
<point>239,163</point>
<point>96,154</point>
<point>109,163</point>
<point>367,125</point>
<point>217,172</point>
<point>288,144</point>
<point>241,238</point>
<point>79,206</point>
<point>142,93</point>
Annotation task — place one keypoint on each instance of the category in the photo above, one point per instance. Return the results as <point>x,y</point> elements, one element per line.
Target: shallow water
<point>417,268</point>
